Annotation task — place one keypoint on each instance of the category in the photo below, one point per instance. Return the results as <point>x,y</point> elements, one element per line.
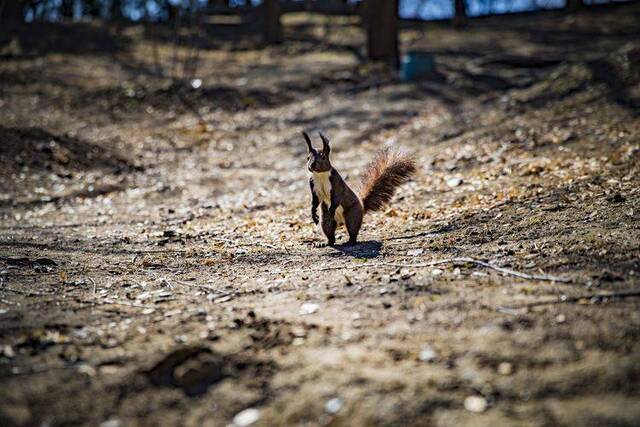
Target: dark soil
<point>159,266</point>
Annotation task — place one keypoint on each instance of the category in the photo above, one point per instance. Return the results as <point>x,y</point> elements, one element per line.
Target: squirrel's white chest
<point>322,188</point>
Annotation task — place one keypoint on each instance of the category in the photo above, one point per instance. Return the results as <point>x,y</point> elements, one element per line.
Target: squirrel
<point>342,205</point>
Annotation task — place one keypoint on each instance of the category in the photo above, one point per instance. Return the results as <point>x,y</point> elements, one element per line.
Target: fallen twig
<point>237,243</point>
<point>573,300</point>
<point>93,291</point>
<point>194,285</point>
<point>20,292</point>
<point>31,370</point>
<point>506,271</point>
<point>199,286</point>
<point>112,302</point>
<point>232,242</point>
<point>157,251</point>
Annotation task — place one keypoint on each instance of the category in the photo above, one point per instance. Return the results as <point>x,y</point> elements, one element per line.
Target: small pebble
<point>333,405</point>
<point>7,351</point>
<point>561,318</point>
<point>475,404</point>
<point>436,272</point>
<point>505,368</point>
<point>428,354</point>
<point>87,370</point>
<point>454,182</point>
<point>246,418</point>
<point>309,308</point>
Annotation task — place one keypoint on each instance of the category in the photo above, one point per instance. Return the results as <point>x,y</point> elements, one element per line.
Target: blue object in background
<point>416,65</point>
<point>417,9</point>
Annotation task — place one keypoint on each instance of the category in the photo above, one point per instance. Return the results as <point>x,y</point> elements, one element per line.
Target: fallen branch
<point>157,251</point>
<point>21,292</point>
<point>194,285</point>
<point>233,244</point>
<point>462,260</point>
<point>31,370</point>
<point>573,300</point>
<point>95,302</point>
<point>94,288</point>
<point>218,293</point>
<point>240,243</point>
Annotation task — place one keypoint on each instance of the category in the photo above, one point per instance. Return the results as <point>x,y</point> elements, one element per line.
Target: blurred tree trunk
<point>172,11</point>
<point>364,13</point>
<point>575,4</point>
<point>382,29</point>
<point>220,4</point>
<point>272,25</point>
<point>91,8</point>
<point>460,15</point>
<point>116,10</point>
<point>66,9</point>
<point>10,16</point>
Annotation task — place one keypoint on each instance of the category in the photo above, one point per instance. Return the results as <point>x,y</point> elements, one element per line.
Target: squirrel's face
<point>318,161</point>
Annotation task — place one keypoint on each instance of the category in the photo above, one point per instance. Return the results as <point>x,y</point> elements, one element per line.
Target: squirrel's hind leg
<point>353,221</point>
<point>329,229</point>
<point>328,226</point>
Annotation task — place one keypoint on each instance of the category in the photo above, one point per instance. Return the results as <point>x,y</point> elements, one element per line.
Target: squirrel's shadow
<point>367,250</point>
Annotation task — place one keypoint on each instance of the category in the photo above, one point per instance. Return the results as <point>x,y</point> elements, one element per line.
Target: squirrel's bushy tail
<point>384,174</point>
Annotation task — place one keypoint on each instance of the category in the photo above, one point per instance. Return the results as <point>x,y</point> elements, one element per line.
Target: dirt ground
<point>159,266</point>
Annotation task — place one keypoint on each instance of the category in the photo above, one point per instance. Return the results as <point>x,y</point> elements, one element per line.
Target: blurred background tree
<point>382,31</point>
<point>460,15</point>
<point>11,14</point>
<point>160,10</point>
<point>575,4</point>
<point>272,25</point>
<point>381,18</point>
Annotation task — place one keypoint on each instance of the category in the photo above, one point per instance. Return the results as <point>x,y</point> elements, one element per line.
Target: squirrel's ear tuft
<point>326,148</point>
<point>306,137</point>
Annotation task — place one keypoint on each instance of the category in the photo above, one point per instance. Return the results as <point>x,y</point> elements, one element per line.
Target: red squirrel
<point>339,203</point>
